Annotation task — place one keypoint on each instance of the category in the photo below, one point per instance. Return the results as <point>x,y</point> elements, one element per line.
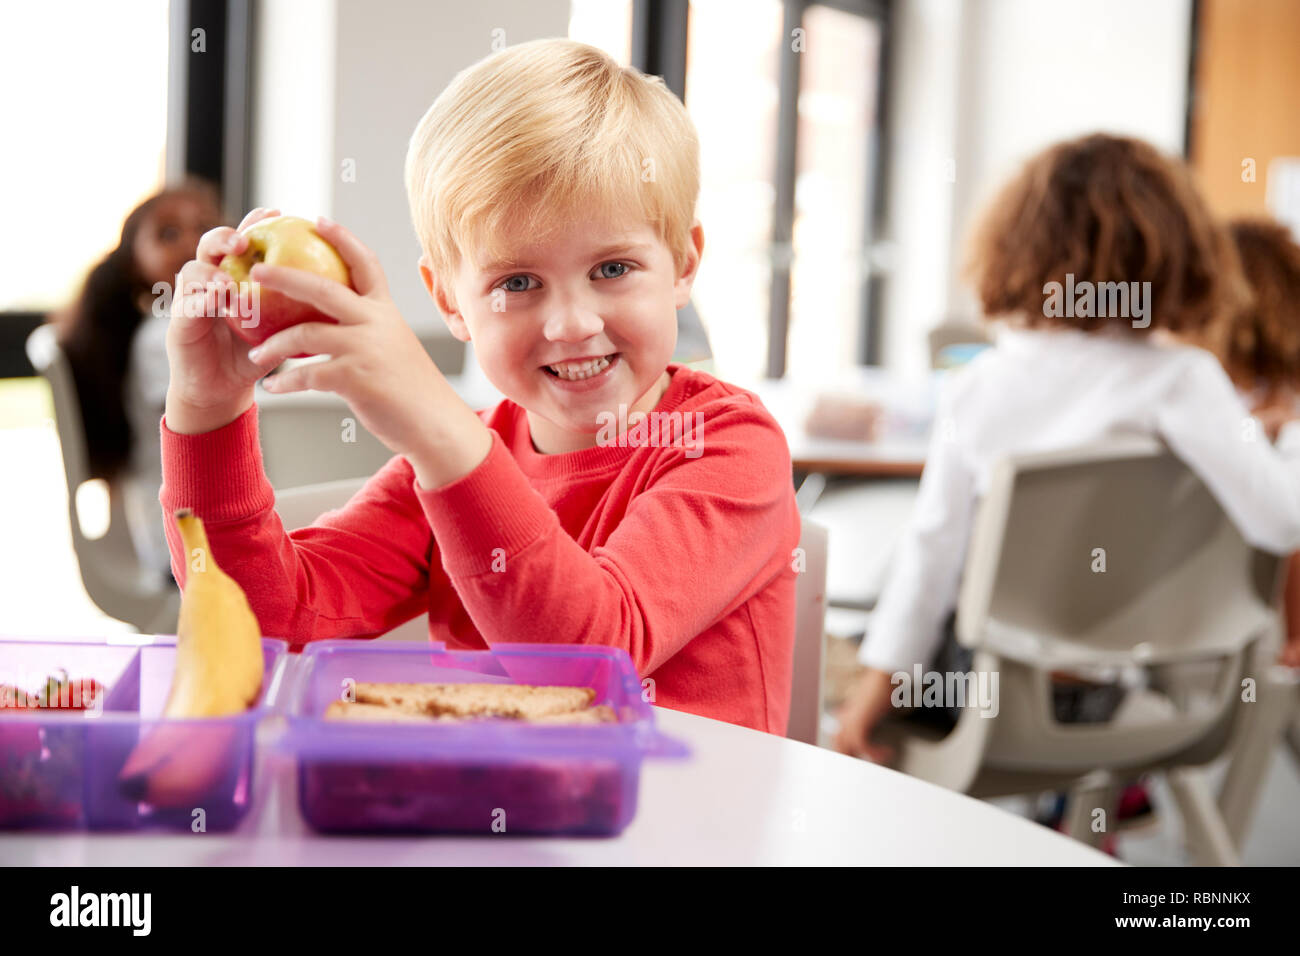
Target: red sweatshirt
<point>682,556</point>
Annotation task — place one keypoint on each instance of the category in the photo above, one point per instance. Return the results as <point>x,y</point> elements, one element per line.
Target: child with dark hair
<point>1259,347</point>
<point>1097,244</point>
<point>114,340</point>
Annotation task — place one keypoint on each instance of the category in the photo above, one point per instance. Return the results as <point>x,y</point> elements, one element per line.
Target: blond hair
<point>521,142</point>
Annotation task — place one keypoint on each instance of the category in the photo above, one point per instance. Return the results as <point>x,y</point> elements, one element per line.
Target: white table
<point>743,798</point>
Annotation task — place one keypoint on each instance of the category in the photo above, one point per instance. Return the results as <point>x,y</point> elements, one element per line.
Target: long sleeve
<point>358,571</point>
<point>698,540</point>
<point>907,625</point>
<point>1258,485</point>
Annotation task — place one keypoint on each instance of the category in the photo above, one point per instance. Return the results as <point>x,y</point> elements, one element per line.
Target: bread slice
<point>377,713</point>
<point>519,701</point>
<point>347,710</point>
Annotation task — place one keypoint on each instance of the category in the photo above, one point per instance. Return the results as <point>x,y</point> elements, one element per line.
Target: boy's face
<point>573,327</point>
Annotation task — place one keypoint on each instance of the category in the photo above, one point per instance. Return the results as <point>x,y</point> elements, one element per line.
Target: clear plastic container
<point>62,769</point>
<point>482,776</point>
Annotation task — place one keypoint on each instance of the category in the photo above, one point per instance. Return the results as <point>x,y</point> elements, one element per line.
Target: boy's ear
<point>682,287</point>
<point>442,298</point>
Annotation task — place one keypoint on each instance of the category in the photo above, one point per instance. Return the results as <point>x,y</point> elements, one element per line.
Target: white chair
<point>313,438</point>
<point>954,332</point>
<point>110,569</point>
<point>1180,588</point>
<point>809,637</point>
<point>299,507</point>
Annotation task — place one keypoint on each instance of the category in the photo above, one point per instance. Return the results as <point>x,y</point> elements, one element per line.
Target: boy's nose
<point>572,323</point>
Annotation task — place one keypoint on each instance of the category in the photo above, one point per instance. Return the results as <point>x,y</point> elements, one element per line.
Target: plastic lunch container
<point>483,776</point>
<point>59,769</point>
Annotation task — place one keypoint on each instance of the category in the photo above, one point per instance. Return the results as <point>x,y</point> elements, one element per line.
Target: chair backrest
<point>953,333</point>
<point>110,568</point>
<point>1113,555</point>
<point>809,636</point>
<point>301,506</point>
<point>313,438</point>
<point>1110,554</point>
<point>48,359</point>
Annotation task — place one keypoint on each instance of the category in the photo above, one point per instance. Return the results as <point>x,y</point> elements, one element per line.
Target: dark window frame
<point>216,83</point>
<point>1193,58</point>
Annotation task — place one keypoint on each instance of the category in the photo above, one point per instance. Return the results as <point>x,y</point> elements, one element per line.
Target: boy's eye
<point>512,284</point>
<point>607,270</point>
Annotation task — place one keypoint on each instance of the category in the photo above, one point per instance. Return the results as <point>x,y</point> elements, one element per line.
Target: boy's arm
<point>705,536</point>
<point>359,571</point>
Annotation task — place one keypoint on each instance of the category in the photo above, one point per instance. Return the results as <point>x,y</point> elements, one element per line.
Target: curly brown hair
<point>1105,209</point>
<point>1261,344</point>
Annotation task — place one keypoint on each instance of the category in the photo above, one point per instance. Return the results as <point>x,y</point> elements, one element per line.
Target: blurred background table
<point>899,452</point>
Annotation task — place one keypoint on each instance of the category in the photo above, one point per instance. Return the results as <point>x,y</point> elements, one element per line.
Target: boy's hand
<point>376,364</point>
<point>212,377</point>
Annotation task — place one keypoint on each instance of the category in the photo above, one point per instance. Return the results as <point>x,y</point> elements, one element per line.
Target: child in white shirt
<point>1096,244</point>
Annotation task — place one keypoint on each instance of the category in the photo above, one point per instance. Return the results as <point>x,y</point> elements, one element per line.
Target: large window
<point>786,96</point>
<point>832,267</point>
<point>85,120</point>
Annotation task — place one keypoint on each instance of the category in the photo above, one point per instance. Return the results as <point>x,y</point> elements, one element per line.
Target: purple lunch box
<point>63,769</point>
<point>481,776</point>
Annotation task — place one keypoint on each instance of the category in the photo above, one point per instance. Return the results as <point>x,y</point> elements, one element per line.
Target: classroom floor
<point>41,594</point>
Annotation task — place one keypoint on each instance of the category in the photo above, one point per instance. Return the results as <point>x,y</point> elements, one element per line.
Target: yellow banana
<point>218,644</point>
<point>218,673</point>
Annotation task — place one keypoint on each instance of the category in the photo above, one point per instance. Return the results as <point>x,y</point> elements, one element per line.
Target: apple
<point>280,241</point>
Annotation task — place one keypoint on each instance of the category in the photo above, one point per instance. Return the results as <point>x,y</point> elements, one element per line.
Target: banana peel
<point>218,673</point>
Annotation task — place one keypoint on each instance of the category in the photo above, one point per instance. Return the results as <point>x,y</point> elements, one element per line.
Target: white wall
<point>993,81</point>
<point>348,80</point>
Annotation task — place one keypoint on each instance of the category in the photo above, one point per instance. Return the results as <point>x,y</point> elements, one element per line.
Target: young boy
<point>553,193</point>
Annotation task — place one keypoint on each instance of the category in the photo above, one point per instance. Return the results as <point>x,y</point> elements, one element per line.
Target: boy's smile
<point>573,326</point>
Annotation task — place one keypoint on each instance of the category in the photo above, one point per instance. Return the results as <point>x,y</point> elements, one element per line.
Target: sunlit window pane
<point>837,97</point>
<point>732,62</point>
<point>84,114</point>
